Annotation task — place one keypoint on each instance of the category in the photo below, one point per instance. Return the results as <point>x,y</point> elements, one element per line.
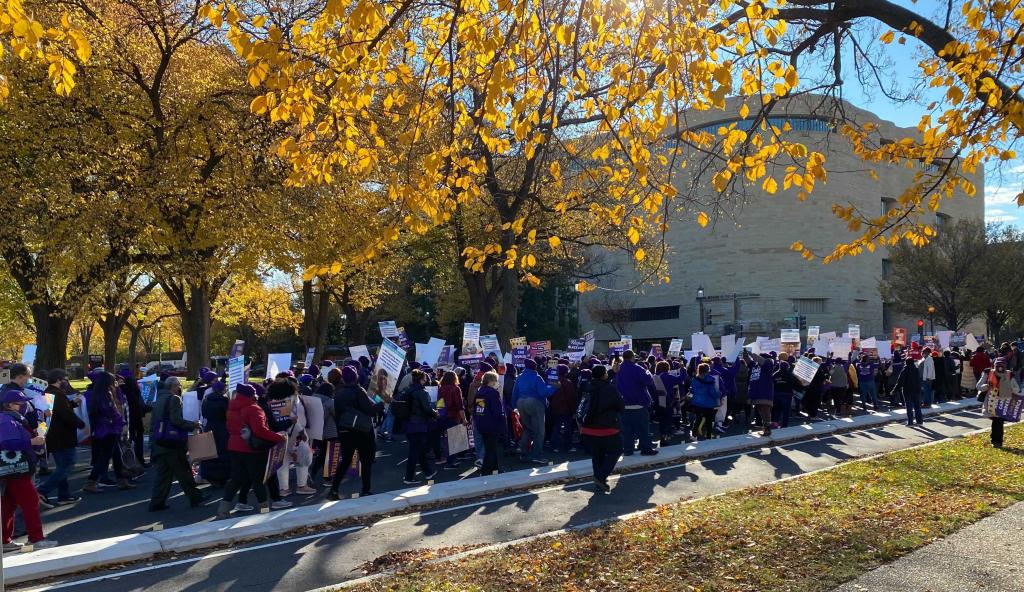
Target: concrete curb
<point>83,556</point>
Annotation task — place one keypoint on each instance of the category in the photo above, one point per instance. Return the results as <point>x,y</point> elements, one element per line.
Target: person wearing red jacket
<point>247,465</point>
<point>979,363</point>
<point>450,397</point>
<point>563,410</point>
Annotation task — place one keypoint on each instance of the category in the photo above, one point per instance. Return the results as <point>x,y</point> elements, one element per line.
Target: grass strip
<point>806,534</point>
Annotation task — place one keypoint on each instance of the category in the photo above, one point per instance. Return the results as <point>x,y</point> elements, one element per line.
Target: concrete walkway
<point>986,555</point>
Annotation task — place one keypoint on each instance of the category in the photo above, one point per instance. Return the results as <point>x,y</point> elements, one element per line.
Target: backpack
<point>583,408</point>
<point>400,406</point>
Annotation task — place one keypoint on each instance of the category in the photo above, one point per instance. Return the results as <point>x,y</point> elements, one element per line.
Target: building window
<point>888,205</point>
<point>796,124</point>
<point>886,269</point>
<point>942,221</point>
<point>886,317</point>
<point>654,313</point>
<point>809,305</point>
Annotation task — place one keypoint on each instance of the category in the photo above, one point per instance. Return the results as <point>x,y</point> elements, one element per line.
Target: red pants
<point>20,492</point>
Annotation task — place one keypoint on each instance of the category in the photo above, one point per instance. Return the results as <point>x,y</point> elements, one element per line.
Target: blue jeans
<point>913,400</point>
<point>531,414</point>
<point>478,443</point>
<point>636,425</point>
<point>65,463</point>
<point>929,395</point>
<point>389,423</point>
<point>869,393</point>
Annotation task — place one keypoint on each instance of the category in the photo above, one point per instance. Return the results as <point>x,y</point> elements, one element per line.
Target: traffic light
<point>920,325</point>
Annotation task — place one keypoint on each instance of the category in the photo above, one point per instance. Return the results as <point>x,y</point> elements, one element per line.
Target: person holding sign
<point>249,440</point>
<point>997,385</point>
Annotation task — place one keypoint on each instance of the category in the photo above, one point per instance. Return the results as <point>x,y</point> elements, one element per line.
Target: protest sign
<point>359,351</point>
<point>314,416</point>
<point>403,339</point>
<point>148,388</point>
<point>812,334</point>
<point>854,332</point>
<point>447,358</point>
<point>771,345</point>
<point>675,347</point>
<point>275,458</point>
<point>190,406</point>
<point>574,356</point>
<point>471,361</point>
<point>388,329</point>
<point>884,349</point>
<point>429,353</point>
<point>728,346</point>
<point>944,338</point>
<point>930,341</point>
<point>617,347</point>
<point>489,344</point>
<point>959,339</point>
<point>842,347</point>
<point>869,346</point>
<point>970,342</point>
<point>540,348</point>
<point>576,344</point>
<point>588,343</point>
<point>826,338</point>
<point>519,355</point>
<point>790,336</point>
<point>551,376</point>
<point>689,355</point>
<point>28,355</point>
<point>1010,409</point>
<point>431,393</point>
<point>656,350</point>
<point>277,363</point>
<point>390,359</point>
<point>702,343</point>
<point>517,342</point>
<point>458,439</point>
<point>899,336</point>
<point>628,339</point>
<point>309,357</point>
<point>471,339</point>
<point>236,372</point>
<point>237,348</point>
<point>35,389</point>
<point>805,369</point>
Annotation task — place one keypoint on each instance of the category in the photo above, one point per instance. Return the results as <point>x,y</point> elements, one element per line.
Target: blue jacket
<point>633,382</point>
<point>728,376</point>
<point>489,411</point>
<point>705,392</point>
<point>530,384</point>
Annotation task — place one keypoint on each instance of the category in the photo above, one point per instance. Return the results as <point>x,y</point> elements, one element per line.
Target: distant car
<point>258,370</point>
<point>170,369</point>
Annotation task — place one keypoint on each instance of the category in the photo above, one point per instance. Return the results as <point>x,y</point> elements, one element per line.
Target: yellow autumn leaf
<point>640,254</point>
<point>887,37</point>
<point>702,219</point>
<point>554,242</point>
<point>770,185</point>
<point>744,111</point>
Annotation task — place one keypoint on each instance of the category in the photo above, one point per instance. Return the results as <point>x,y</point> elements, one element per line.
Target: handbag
<point>14,463</point>
<point>202,446</point>
<point>355,420</point>
<point>128,459</point>
<point>254,441</point>
<point>167,434</point>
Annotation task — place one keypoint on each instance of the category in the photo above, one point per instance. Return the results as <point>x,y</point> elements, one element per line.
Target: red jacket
<point>563,402</point>
<point>979,363</point>
<point>243,411</point>
<point>453,404</point>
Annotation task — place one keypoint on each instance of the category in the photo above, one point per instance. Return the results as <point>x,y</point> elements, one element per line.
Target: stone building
<point>749,278</point>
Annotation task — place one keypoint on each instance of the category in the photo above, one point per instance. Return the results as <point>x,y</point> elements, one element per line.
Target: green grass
<point>808,534</point>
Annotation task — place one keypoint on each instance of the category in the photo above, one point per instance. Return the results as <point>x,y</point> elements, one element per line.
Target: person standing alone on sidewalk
<point>635,383</point>
<point>601,407</point>
<point>997,384</point>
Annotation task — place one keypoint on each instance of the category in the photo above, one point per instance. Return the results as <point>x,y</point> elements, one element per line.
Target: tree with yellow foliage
<point>257,311</point>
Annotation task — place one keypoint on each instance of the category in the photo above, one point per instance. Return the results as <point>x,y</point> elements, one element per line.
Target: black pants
<point>997,431</point>
<point>317,468</point>
<point>247,470</point>
<point>604,453</point>
<point>136,435</point>
<point>417,455</point>
<point>104,450</point>
<point>704,421</point>
<point>490,465</point>
<point>351,442</point>
<point>173,466</point>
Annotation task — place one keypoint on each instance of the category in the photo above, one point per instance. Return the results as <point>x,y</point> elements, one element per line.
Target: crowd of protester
<point>604,407</point>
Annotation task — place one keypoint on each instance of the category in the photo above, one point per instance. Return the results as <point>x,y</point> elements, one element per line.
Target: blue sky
<point>1001,186</point>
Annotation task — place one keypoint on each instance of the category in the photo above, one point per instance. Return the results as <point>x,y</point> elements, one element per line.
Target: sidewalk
<point>144,544</point>
<point>984,556</point>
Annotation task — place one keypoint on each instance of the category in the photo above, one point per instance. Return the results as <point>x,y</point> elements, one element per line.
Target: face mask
<point>23,408</point>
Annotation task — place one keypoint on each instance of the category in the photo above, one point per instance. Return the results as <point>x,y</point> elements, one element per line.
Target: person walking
<point>761,390</point>
<point>705,397</point>
<point>421,413</point>
<point>325,393</point>
<point>19,464</point>
<point>170,448</point>
<point>354,411</point>
<point>137,410</point>
<point>106,407</point>
<point>247,426</point>
<point>998,387</point>
<point>602,406</point>
<point>489,418</point>
<point>635,383</point>
<point>61,439</point>
<point>909,384</point>
<point>215,416</point>
<point>454,410</point>
<point>530,398</point>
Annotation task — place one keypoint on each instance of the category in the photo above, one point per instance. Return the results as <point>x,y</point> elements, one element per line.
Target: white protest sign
<point>35,389</point>
<point>944,338</point>
<point>728,346</point>
<point>358,351</point>
<point>771,345</point>
<point>854,331</point>
<point>489,343</point>
<point>790,336</point>
<point>432,393</point>
<point>971,342</point>
<point>28,355</point>
<point>841,347</point>
<point>675,347</point>
<point>702,343</point>
<point>805,369</point>
<point>390,360</point>
<point>388,329</point>
<point>884,349</point>
<point>628,339</point>
<point>869,343</point>
<point>309,356</point>
<point>689,355</point>
<point>236,372</point>
<point>471,339</point>
<point>737,348</point>
<point>277,363</point>
<point>588,343</point>
<point>812,334</point>
<point>190,410</point>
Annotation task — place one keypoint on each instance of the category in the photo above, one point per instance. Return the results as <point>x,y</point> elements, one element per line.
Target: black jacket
<point>352,397</point>
<point>420,408</point>
<point>64,425</point>
<point>137,408</point>
<point>910,378</point>
<point>606,405</point>
<point>786,382</point>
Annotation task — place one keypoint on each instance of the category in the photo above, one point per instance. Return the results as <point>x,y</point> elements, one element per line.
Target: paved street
<point>984,556</point>
<point>320,559</point>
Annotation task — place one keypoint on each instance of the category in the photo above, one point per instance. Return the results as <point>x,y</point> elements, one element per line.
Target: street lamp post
<point>700,303</point>
<point>931,319</point>
<point>159,346</point>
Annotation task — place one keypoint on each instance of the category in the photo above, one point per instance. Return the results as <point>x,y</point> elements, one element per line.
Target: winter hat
<point>783,365</point>
<point>599,371</point>
<point>485,367</point>
<point>208,376</point>
<point>125,373</point>
<point>280,390</point>
<point>246,390</point>
<point>259,389</point>
<point>313,370</point>
<point>595,361</point>
<point>306,379</point>
<point>563,370</point>
<point>414,365</point>
<point>585,374</point>
<point>203,370</point>
<point>999,360</point>
<point>13,395</point>
<point>217,388</point>
<point>349,375</point>
<point>530,364</point>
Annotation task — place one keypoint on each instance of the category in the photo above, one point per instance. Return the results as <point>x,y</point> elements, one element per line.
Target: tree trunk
<point>112,327</point>
<point>480,301</point>
<point>86,334</point>
<point>308,315</point>
<point>133,346</point>
<point>52,331</point>
<point>195,325</point>
<point>322,310</point>
<point>511,297</point>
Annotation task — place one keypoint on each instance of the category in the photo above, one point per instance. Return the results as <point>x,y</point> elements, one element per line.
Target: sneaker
<point>305,491</point>
<point>540,461</point>
<point>440,461</point>
<point>719,429</point>
<point>45,503</point>
<point>66,501</point>
<point>239,507</point>
<point>333,496</point>
<point>286,492</point>
<point>431,476</point>
<point>449,467</point>
<point>12,547</point>
<point>44,544</point>
<point>478,463</point>
<point>106,482</point>
<point>412,481</point>
<point>280,505</point>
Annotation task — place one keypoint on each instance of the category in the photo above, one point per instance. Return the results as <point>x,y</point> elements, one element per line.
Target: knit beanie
<point>246,390</point>
<point>349,375</point>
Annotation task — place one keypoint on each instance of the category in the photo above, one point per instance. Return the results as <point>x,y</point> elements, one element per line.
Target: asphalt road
<point>317,560</point>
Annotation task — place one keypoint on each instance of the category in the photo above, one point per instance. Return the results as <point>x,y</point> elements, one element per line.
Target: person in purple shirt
<point>761,390</point>
<point>635,384</point>
<point>727,378</point>
<point>867,369</point>
<point>106,406</point>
